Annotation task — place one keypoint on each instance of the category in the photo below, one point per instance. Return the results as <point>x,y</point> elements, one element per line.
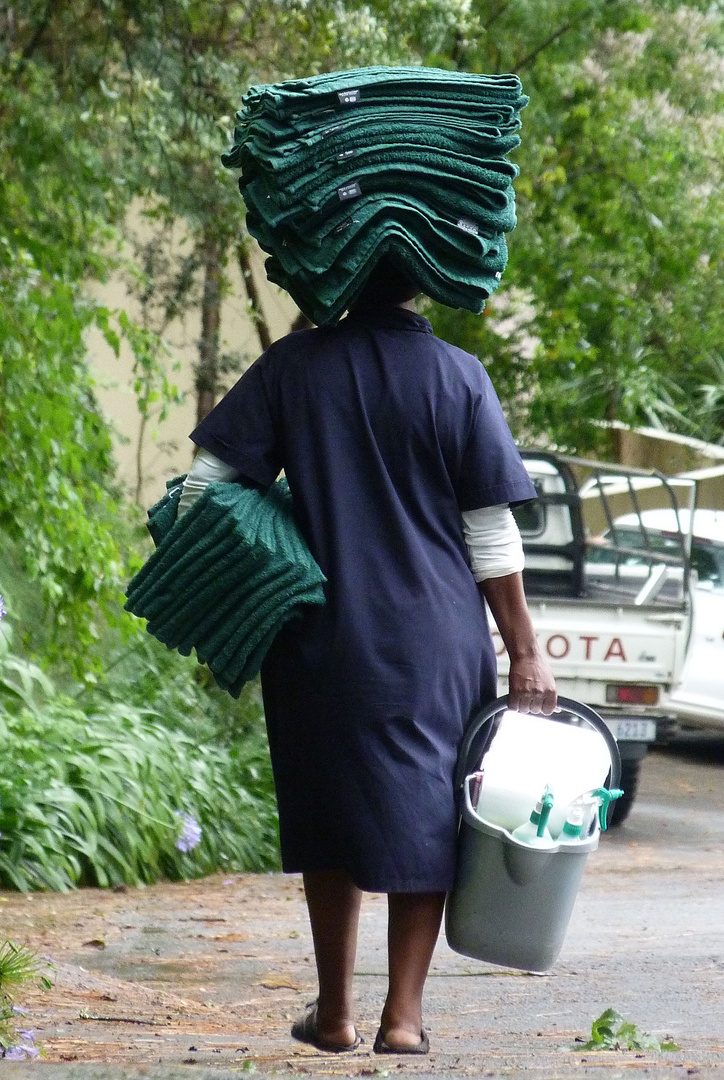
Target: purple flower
<point>2,607</point>
<point>190,832</point>
<point>17,1009</point>
<point>20,1053</point>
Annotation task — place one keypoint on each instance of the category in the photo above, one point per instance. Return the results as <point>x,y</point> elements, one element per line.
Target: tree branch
<point>526,61</point>
<point>501,11</point>
<point>207,369</point>
<point>252,291</point>
<point>35,39</point>
<point>559,33</point>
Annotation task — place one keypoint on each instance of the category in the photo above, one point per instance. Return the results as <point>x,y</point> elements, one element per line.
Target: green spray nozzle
<point>605,796</point>
<point>546,805</point>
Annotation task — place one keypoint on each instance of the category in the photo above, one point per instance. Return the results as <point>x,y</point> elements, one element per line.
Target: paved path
<point>207,975</point>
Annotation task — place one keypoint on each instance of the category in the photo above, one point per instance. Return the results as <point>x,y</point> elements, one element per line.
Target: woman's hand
<point>531,686</point>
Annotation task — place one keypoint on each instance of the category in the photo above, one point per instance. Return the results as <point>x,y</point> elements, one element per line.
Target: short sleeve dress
<point>385,433</point>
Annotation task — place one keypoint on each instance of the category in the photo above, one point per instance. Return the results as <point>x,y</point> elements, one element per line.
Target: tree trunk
<point>252,291</point>
<point>207,369</point>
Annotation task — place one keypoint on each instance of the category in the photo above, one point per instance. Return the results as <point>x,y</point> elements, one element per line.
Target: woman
<point>402,469</point>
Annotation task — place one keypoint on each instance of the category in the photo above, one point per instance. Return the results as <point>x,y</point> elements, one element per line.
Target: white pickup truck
<point>627,603</point>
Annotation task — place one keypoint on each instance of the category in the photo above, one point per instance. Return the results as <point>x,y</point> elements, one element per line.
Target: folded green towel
<point>225,577</point>
<point>260,138</point>
<point>378,85</point>
<point>389,169</point>
<point>293,159</point>
<point>444,192</point>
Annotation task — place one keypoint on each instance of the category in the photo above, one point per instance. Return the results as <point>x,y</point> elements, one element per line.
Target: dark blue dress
<point>385,434</point>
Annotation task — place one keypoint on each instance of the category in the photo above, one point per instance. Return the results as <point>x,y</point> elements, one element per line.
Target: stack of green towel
<point>225,576</point>
<point>339,170</point>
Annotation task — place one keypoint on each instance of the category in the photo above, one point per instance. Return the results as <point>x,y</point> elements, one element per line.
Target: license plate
<point>632,730</point>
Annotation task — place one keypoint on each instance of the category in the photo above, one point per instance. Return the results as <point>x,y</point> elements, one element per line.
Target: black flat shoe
<point>382,1047</point>
<point>305,1030</point>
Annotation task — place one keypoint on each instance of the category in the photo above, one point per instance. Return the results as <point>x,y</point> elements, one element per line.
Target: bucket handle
<point>487,713</point>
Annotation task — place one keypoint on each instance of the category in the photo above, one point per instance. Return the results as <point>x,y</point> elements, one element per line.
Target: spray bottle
<point>535,831</point>
<point>577,814</point>
<point>581,813</point>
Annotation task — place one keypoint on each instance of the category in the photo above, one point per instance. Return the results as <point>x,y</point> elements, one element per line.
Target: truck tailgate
<point>590,646</point>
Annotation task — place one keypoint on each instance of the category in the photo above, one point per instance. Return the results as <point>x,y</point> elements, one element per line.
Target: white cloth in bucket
<point>531,752</point>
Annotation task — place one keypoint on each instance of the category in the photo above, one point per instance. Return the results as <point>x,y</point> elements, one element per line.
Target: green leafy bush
<point>102,791</point>
<point>19,967</point>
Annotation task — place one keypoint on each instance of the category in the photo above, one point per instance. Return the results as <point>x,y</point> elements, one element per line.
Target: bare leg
<point>414,925</point>
<point>334,901</point>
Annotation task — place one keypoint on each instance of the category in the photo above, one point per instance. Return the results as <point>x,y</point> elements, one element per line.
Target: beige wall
<point>165,450</point>
<point>648,448</point>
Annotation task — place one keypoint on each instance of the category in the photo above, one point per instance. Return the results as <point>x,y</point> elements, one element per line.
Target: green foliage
<point>612,303</point>
<point>611,1032</point>
<point>62,193</point>
<point>95,792</point>
<point>19,967</point>
<point>57,497</point>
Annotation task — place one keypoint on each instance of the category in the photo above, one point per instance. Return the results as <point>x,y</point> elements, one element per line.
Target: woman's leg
<point>414,925</point>
<point>334,901</point>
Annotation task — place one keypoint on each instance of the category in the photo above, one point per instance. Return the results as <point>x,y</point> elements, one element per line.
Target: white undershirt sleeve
<point>493,541</point>
<point>206,469</point>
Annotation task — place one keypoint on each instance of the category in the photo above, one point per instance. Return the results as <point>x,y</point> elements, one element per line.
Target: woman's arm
<point>496,560</point>
<point>531,687</point>
<point>206,469</point>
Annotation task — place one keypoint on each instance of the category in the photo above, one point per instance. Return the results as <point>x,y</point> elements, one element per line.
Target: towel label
<point>349,191</point>
<point>468,226</point>
<point>333,130</point>
<point>349,97</point>
<point>346,155</point>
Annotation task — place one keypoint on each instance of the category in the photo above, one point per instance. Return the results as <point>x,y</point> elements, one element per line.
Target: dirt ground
<point>204,977</point>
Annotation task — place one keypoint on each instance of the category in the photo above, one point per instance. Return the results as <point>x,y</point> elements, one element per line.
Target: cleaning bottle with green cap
<point>577,812</point>
<point>535,831</point>
<point>604,797</point>
<point>581,812</point>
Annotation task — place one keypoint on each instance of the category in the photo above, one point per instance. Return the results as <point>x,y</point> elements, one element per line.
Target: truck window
<point>708,561</point>
<point>531,516</point>
<point>632,538</point>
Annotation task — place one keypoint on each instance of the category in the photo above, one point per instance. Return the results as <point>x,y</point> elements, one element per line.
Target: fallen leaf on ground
<point>279,982</point>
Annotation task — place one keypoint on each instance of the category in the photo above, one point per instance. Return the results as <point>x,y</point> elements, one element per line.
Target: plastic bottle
<point>581,812</point>
<point>573,827</point>
<point>604,797</point>
<point>535,831</point>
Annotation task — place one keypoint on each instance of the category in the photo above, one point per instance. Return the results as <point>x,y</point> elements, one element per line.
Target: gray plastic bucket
<point>511,903</point>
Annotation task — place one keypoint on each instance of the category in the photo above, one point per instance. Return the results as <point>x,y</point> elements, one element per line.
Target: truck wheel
<point>630,772</point>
